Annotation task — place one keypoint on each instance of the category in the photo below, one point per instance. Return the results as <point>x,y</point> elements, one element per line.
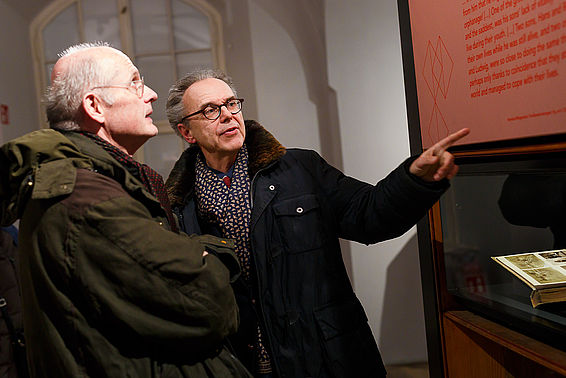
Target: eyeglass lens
<point>139,86</point>
<point>212,112</point>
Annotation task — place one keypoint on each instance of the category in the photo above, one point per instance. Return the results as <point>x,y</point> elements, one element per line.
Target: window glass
<point>194,60</point>
<point>48,69</point>
<point>162,151</point>
<point>159,76</point>
<point>190,27</point>
<point>61,33</point>
<point>100,20</point>
<point>150,26</point>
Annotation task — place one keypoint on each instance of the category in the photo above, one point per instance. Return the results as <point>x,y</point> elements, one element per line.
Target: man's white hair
<point>63,98</point>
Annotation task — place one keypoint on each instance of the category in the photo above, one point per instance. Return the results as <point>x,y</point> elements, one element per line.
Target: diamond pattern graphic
<point>437,72</point>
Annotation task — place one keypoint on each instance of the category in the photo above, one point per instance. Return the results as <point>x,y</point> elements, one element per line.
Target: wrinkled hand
<point>436,163</point>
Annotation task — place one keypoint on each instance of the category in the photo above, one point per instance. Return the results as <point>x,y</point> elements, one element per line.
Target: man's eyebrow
<point>212,103</point>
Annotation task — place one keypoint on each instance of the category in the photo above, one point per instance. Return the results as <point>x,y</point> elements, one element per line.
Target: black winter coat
<point>313,323</point>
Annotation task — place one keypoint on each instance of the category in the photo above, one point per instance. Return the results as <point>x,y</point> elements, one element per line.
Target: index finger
<point>451,139</point>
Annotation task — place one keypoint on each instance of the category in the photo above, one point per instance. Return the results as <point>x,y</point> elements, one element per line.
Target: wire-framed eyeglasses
<point>212,111</point>
<point>137,85</point>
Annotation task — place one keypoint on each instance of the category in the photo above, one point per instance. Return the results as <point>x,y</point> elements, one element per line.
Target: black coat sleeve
<point>371,213</point>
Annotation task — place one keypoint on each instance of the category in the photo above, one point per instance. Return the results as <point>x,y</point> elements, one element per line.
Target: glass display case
<point>502,206</point>
<point>461,70</point>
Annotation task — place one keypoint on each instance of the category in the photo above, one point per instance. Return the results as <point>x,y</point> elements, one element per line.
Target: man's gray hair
<point>175,108</point>
<point>63,98</point>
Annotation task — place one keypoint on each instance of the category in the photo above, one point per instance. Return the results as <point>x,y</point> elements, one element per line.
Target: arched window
<point>164,38</point>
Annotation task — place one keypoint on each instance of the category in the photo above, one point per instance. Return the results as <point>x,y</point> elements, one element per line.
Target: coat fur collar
<point>263,149</point>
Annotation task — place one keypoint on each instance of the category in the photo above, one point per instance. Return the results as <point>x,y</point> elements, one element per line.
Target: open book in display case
<point>544,272</point>
<point>497,67</point>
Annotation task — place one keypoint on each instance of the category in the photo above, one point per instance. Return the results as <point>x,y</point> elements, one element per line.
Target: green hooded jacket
<point>108,290</point>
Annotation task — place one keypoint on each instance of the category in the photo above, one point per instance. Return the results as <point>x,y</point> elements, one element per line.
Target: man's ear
<point>93,107</point>
<point>186,133</point>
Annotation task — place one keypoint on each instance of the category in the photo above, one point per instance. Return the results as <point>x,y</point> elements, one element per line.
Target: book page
<point>540,269</point>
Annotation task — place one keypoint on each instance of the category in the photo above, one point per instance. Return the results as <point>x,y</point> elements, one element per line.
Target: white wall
<point>365,69</point>
<point>17,88</point>
<point>284,107</point>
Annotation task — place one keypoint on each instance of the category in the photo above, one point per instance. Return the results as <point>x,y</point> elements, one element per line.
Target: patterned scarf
<point>152,180</point>
<point>229,207</point>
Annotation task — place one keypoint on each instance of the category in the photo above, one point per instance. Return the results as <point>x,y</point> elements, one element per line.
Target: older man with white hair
<point>110,288</point>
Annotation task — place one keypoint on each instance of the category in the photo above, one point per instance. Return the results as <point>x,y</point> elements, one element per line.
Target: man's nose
<point>224,112</point>
<point>149,94</point>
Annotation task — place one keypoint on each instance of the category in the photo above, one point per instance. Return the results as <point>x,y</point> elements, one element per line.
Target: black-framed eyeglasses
<point>212,111</point>
<point>137,85</point>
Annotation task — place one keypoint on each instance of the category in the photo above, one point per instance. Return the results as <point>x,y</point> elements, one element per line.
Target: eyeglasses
<point>137,85</point>
<point>212,112</point>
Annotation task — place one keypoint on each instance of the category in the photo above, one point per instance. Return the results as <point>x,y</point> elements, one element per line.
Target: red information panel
<point>495,66</point>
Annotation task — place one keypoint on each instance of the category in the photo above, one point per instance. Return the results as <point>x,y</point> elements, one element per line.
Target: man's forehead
<point>118,62</point>
<point>206,91</point>
<point>123,63</point>
<point>114,61</point>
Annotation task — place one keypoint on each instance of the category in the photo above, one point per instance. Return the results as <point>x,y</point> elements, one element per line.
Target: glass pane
<point>190,27</point>
<point>150,26</point>
<point>158,74</point>
<point>162,151</point>
<point>192,61</point>
<point>101,22</point>
<point>61,33</point>
<point>504,208</point>
<point>48,69</point>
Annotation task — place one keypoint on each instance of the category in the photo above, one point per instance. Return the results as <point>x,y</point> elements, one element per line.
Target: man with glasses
<point>285,210</point>
<point>110,288</point>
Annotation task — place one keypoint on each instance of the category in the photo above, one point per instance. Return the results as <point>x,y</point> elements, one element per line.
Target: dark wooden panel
<point>477,347</point>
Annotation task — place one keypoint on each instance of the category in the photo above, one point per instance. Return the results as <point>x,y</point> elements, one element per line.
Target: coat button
<point>271,187</point>
<point>300,210</point>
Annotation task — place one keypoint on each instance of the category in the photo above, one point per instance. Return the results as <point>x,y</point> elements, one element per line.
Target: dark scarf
<point>151,180</point>
<point>229,207</point>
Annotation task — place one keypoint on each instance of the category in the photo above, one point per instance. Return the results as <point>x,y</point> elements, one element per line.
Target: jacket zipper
<point>253,182</point>
<point>266,332</point>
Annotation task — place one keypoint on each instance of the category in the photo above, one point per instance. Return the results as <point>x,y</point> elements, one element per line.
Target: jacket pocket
<point>299,222</point>
<point>54,178</point>
<point>348,344</point>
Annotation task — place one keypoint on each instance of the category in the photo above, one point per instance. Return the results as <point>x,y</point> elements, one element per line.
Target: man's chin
<point>237,144</point>
<point>152,131</point>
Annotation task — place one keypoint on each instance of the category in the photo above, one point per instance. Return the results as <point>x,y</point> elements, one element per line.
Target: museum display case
<point>496,67</point>
<point>498,207</point>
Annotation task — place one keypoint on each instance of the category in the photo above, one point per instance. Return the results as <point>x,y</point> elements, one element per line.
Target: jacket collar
<point>105,164</point>
<point>263,150</point>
